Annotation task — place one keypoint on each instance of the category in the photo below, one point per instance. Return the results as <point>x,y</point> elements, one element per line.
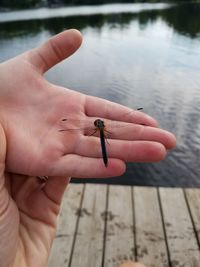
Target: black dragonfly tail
<point>103,147</point>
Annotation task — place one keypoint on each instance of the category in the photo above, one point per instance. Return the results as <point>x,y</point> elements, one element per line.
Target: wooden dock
<point>104,225</point>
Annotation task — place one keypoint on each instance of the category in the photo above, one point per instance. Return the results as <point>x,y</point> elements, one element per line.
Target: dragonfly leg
<point>108,133</point>
<point>94,131</point>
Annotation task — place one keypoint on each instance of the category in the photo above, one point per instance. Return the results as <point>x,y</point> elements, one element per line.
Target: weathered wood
<point>150,239</point>
<point>193,198</point>
<point>182,243</point>
<point>80,236</point>
<point>62,245</point>
<point>119,245</point>
<point>88,248</point>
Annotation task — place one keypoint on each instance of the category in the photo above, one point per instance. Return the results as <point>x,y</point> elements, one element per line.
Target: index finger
<point>98,107</point>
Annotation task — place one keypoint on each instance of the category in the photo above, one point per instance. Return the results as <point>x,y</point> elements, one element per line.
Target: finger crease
<point>46,65</point>
<point>55,50</point>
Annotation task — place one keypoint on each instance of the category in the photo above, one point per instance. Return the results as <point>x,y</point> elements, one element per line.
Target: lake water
<point>139,55</point>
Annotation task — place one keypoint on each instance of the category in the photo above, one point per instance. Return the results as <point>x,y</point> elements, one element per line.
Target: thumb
<point>55,50</point>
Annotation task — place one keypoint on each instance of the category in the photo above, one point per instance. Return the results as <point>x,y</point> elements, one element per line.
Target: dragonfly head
<point>99,123</point>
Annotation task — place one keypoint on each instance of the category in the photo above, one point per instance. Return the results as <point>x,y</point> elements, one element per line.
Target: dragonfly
<point>98,126</point>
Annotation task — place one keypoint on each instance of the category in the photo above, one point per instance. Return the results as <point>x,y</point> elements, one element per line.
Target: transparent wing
<point>72,125</point>
<point>76,125</point>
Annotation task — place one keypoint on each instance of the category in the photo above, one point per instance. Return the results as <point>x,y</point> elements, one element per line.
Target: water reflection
<point>48,13</point>
<point>149,59</point>
<point>183,18</point>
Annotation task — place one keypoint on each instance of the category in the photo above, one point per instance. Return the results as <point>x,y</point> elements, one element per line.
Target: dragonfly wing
<point>68,124</point>
<point>126,120</point>
<point>75,125</point>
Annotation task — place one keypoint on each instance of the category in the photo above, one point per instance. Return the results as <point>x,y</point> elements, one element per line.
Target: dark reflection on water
<point>147,58</point>
<point>183,18</point>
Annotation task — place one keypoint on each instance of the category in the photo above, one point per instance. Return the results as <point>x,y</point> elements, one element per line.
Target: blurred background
<point>134,53</point>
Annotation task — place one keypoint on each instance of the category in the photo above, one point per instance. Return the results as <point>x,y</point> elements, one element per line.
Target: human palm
<point>31,116</point>
<point>31,113</point>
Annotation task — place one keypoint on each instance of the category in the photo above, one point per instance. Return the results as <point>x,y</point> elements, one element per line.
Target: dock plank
<point>193,198</point>
<point>182,243</point>
<point>62,245</point>
<point>119,245</point>
<point>88,249</point>
<point>150,239</point>
<point>100,224</point>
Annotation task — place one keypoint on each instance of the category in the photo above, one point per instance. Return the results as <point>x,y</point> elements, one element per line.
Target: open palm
<point>31,110</point>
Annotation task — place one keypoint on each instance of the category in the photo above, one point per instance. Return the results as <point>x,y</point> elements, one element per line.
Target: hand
<point>31,109</point>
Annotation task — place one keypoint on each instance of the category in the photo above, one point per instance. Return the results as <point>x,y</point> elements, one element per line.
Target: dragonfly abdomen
<point>103,147</point>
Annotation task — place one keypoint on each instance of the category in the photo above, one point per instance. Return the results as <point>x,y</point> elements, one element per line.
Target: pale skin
<point>31,109</point>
